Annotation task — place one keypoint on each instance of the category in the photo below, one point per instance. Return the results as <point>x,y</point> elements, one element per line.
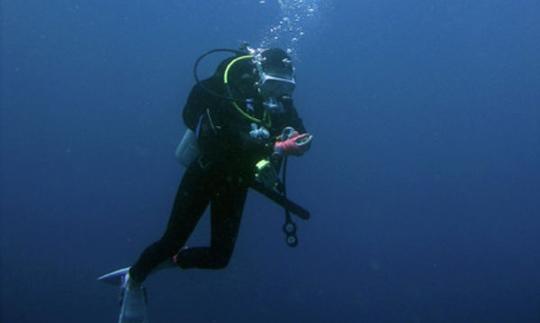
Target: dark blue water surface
<point>423,179</point>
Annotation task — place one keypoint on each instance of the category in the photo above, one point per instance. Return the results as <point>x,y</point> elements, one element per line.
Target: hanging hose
<point>289,227</point>
<point>196,69</point>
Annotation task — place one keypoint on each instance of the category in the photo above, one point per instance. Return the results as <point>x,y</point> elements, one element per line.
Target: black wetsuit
<point>220,177</point>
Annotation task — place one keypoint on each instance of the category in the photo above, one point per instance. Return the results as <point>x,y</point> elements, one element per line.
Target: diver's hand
<point>293,143</point>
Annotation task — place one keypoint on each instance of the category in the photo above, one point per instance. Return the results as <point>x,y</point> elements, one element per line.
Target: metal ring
<point>292,240</point>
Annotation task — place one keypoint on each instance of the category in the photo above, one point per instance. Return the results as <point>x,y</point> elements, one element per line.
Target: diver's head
<point>275,73</point>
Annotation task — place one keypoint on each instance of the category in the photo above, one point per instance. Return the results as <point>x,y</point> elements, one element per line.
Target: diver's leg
<point>225,228</point>
<point>191,200</point>
<point>226,208</point>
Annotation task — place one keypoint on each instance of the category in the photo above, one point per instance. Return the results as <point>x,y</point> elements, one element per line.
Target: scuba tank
<point>188,149</point>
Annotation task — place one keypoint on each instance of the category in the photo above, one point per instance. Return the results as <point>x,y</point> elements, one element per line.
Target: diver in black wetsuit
<point>245,122</point>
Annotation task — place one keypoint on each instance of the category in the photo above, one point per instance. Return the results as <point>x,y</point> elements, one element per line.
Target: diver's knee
<point>169,245</point>
<point>221,260</point>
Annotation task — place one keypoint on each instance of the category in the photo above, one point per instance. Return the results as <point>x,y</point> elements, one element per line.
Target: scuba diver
<point>241,127</point>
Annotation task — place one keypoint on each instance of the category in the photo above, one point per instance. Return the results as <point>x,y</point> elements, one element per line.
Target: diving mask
<point>274,86</point>
<point>276,73</point>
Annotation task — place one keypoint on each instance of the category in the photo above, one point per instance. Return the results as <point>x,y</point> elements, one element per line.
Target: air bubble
<point>290,27</point>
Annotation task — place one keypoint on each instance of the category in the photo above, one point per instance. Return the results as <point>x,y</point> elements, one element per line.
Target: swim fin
<point>114,278</point>
<point>133,298</point>
<point>133,308</point>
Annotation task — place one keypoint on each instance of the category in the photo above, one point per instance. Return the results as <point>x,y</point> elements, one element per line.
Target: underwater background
<point>423,179</point>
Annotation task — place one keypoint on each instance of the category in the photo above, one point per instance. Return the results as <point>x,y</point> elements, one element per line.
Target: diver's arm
<point>292,117</point>
<point>254,146</point>
<point>193,108</point>
<point>293,138</point>
<point>197,103</point>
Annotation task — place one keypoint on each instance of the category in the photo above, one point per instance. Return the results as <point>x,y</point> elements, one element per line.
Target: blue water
<point>423,179</point>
